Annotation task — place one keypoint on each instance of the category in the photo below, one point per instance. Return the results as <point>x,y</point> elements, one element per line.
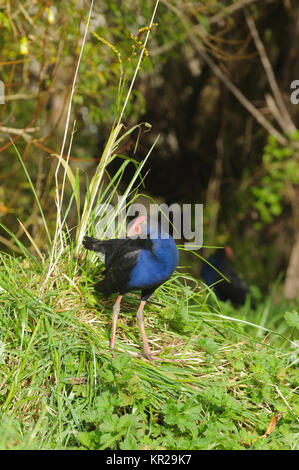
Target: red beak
<point>229,252</point>
<point>136,229</point>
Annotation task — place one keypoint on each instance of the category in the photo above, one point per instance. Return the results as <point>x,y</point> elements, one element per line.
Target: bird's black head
<point>225,252</point>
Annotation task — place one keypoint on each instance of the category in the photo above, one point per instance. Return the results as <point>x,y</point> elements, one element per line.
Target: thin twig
<point>10,244</point>
<point>283,398</point>
<point>20,96</point>
<point>231,9</point>
<point>13,130</point>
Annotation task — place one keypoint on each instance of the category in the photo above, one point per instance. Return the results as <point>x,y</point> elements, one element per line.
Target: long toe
<point>148,355</point>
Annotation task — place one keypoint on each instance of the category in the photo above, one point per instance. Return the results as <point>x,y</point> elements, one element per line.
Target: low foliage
<point>281,171</point>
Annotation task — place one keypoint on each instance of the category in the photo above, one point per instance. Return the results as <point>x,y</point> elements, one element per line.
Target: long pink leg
<point>116,308</point>
<point>146,348</point>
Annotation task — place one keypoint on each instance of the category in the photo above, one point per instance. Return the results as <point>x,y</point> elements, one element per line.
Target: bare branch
<point>10,244</point>
<point>238,94</point>
<point>13,130</point>
<point>20,132</point>
<point>272,105</point>
<point>286,121</point>
<point>196,41</point>
<point>229,10</point>
<point>20,96</point>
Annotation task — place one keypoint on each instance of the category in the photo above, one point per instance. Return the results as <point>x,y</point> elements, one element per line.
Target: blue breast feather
<point>156,266</point>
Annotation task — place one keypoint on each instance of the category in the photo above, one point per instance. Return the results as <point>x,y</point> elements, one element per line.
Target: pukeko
<point>142,261</point>
<point>235,290</point>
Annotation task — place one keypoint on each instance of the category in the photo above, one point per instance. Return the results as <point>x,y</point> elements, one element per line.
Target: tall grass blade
<point>34,193</point>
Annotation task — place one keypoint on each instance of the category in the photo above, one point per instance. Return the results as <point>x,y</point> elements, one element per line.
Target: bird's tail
<point>94,244</point>
<point>103,288</point>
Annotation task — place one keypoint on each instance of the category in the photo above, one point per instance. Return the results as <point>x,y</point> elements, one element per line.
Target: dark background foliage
<point>211,149</point>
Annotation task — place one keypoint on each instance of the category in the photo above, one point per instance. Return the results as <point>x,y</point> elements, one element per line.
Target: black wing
<point>107,247</point>
<point>235,290</point>
<point>123,260</point>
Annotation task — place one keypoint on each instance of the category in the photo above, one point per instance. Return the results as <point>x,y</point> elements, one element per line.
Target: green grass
<point>217,386</point>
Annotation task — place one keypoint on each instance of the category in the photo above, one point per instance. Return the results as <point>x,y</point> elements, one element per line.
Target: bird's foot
<point>149,355</point>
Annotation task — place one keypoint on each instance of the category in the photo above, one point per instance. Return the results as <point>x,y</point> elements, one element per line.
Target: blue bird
<point>142,261</point>
<point>235,290</point>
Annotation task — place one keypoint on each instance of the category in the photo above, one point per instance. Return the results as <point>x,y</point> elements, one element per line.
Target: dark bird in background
<point>142,261</point>
<point>235,290</point>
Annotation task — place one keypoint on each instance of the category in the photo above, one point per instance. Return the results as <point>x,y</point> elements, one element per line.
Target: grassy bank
<point>220,383</point>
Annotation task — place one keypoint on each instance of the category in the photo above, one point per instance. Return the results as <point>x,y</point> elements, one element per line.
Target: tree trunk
<point>291,287</point>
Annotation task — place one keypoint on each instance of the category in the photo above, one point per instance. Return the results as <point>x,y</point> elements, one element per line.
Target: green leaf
<point>85,438</point>
<point>292,318</point>
<point>4,21</point>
